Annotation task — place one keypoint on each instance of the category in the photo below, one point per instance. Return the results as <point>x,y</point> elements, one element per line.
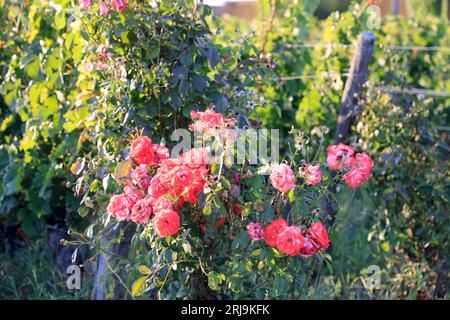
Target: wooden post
<point>359,71</point>
<point>396,7</point>
<point>105,261</point>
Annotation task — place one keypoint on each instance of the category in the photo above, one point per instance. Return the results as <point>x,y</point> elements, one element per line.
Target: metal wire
<point>340,45</point>
<point>413,91</point>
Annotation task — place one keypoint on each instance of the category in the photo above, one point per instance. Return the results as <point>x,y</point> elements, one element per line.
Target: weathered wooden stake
<point>359,71</point>
<point>121,249</point>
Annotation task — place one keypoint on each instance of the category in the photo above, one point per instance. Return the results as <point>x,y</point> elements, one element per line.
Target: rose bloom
<point>339,156</point>
<point>142,211</point>
<point>85,4</point>
<point>360,170</point>
<point>309,249</point>
<point>141,177</point>
<point>119,207</point>
<point>255,230</point>
<point>103,9</point>
<point>100,66</point>
<point>282,177</point>
<point>132,194</point>
<point>363,162</point>
<point>273,229</point>
<point>120,5</point>
<point>159,186</point>
<point>206,120</point>
<point>103,54</point>
<point>319,234</point>
<point>166,223</point>
<point>196,158</point>
<point>161,153</point>
<point>290,241</point>
<point>142,151</point>
<point>162,204</point>
<point>312,174</point>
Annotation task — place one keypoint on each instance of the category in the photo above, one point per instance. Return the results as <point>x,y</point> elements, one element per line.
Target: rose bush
<point>196,206</point>
<point>201,226</point>
<point>107,74</point>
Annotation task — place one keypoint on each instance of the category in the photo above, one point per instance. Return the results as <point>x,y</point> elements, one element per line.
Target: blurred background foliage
<point>400,223</point>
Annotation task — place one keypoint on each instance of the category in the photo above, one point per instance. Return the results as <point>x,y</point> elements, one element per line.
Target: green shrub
<point>40,86</point>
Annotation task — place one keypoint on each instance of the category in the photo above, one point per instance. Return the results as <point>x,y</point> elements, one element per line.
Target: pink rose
<point>339,156</point>
<point>360,170</point>
<point>255,230</point>
<point>119,207</point>
<point>162,204</point>
<point>209,119</point>
<point>120,5</point>
<point>159,185</point>
<point>103,9</point>
<point>195,158</point>
<point>319,234</point>
<point>132,194</point>
<point>161,153</point>
<point>85,4</point>
<point>142,211</point>
<point>166,223</point>
<point>142,151</point>
<point>273,230</point>
<point>309,249</point>
<point>312,174</point>
<point>290,241</point>
<point>141,177</point>
<point>282,177</point>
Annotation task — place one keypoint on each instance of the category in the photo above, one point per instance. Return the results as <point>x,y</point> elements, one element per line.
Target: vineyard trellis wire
<point>390,89</point>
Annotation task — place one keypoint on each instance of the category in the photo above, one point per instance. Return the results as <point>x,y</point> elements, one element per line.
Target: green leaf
<point>213,57</point>
<point>60,19</point>
<point>207,209</point>
<point>32,69</point>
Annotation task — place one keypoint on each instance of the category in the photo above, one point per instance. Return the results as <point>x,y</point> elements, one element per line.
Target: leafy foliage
<point>40,86</point>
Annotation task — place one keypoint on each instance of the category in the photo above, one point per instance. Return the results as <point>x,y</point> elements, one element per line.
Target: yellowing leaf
<point>60,19</point>
<point>77,166</point>
<point>122,170</point>
<point>138,286</point>
<point>385,246</point>
<point>144,269</point>
<point>6,122</point>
